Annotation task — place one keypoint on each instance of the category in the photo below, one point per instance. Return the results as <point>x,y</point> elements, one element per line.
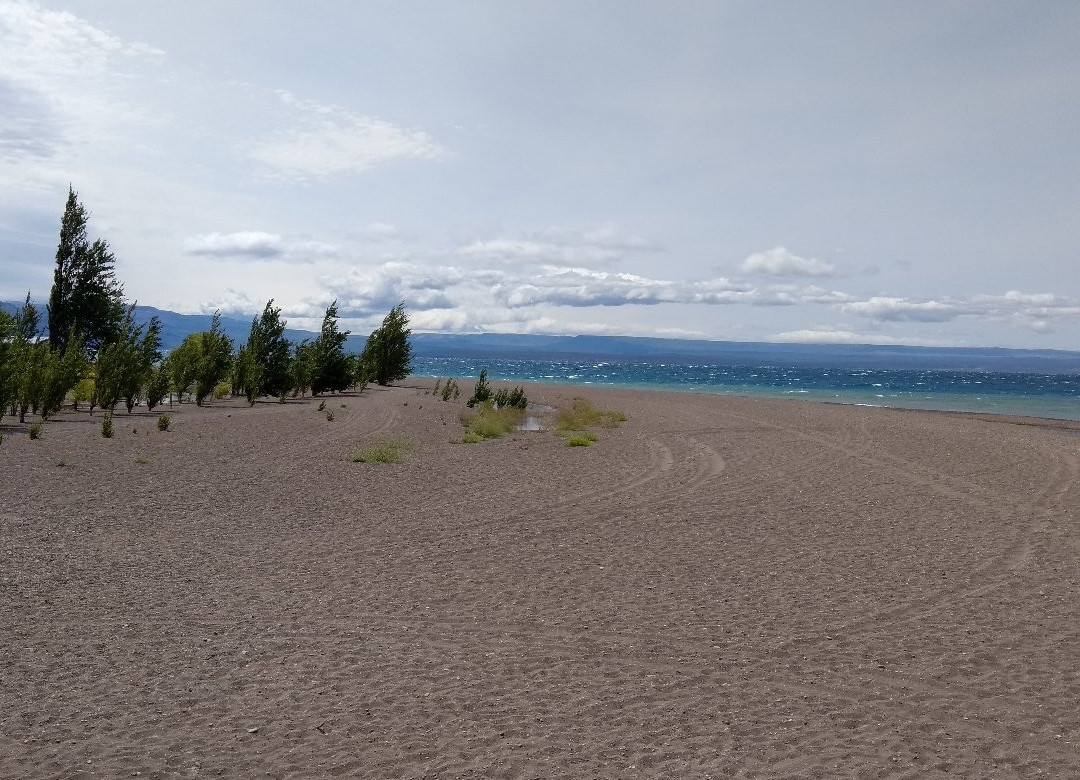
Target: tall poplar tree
<point>268,352</point>
<point>388,353</point>
<point>331,366</point>
<point>85,296</point>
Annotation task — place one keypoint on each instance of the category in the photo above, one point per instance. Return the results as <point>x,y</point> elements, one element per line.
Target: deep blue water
<point>1036,395</point>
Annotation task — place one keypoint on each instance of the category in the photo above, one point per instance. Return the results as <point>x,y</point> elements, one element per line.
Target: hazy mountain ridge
<point>176,326</point>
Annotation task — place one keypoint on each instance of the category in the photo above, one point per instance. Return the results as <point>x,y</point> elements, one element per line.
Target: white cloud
<point>244,243</point>
<point>232,301</point>
<point>1022,307</point>
<point>597,246</point>
<point>326,140</point>
<point>835,336</point>
<point>366,289</point>
<point>65,93</point>
<point>903,310</point>
<point>256,245</point>
<point>780,262</point>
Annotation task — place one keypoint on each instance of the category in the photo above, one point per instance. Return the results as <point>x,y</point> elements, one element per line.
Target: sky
<point>832,172</point>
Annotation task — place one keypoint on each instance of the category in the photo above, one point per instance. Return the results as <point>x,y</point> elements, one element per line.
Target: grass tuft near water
<point>487,422</point>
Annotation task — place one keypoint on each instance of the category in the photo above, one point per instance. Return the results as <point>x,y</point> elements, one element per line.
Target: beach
<point>720,587</point>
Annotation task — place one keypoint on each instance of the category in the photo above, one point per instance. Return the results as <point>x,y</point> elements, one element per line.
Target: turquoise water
<point>1036,395</point>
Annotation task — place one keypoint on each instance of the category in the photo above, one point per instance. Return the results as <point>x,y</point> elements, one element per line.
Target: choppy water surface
<point>1038,395</point>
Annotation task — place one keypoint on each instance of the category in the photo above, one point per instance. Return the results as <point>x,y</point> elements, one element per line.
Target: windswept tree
<point>125,364</point>
<point>302,368</point>
<point>7,363</point>
<point>388,353</point>
<point>85,296</point>
<point>181,365</point>
<point>36,378</point>
<point>202,360</point>
<point>265,358</point>
<point>214,359</point>
<point>330,364</point>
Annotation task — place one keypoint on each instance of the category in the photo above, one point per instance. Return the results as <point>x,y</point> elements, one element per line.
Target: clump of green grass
<point>35,431</point>
<point>223,390</point>
<point>391,451</point>
<point>585,439</point>
<point>487,422</point>
<point>583,414</point>
<point>107,429</point>
<point>471,438</point>
<point>163,422</point>
<point>143,459</point>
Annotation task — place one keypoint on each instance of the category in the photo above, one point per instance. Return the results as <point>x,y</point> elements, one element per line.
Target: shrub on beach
<point>391,451</point>
<point>515,399</point>
<point>449,390</point>
<point>487,422</point>
<point>574,423</point>
<point>481,390</point>
<point>583,414</point>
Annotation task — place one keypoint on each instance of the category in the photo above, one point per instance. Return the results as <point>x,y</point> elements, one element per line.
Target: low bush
<point>35,431</point>
<point>321,407</point>
<point>514,399</point>
<point>583,414</point>
<point>488,422</point>
<point>391,451</point>
<point>471,438</point>
<point>329,416</point>
<point>163,422</point>
<point>481,390</point>
<point>449,390</point>
<point>581,440</point>
<point>107,429</point>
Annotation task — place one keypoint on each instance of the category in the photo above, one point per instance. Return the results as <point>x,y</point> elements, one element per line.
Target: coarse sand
<point>718,588</point>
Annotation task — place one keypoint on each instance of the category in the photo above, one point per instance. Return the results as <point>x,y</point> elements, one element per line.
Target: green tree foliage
<point>125,364</point>
<point>181,365</point>
<point>38,378</point>
<point>388,353</point>
<point>214,359</point>
<point>481,391</point>
<point>302,368</point>
<point>85,296</point>
<point>157,386</point>
<point>7,351</point>
<point>510,399</point>
<point>269,352</point>
<point>330,365</point>
<point>247,375</point>
<point>62,373</point>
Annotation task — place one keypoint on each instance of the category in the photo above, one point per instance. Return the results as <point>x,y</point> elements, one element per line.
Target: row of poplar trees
<point>97,353</point>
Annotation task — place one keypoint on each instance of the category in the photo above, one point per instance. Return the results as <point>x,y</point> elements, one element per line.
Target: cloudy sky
<point>784,171</point>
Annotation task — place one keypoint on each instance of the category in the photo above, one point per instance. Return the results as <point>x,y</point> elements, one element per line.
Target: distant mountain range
<point>627,348</point>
